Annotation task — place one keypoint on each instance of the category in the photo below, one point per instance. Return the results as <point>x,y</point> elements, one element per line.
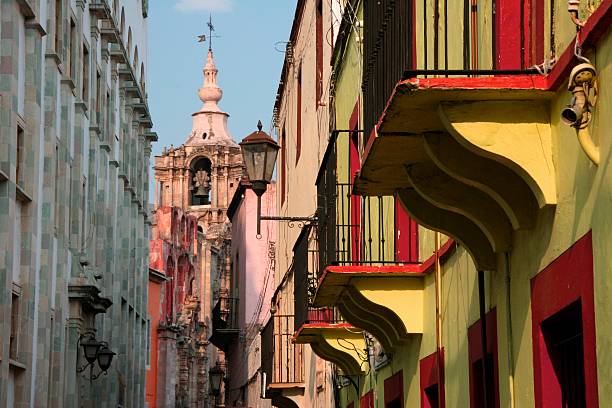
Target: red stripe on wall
<point>567,281</point>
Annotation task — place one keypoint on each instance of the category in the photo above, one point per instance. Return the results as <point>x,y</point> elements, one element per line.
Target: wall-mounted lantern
<point>95,350</point>
<point>259,152</point>
<point>216,375</point>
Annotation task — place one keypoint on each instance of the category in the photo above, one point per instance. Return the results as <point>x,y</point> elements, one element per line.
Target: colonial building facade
<point>485,122</point>
<point>194,184</point>
<point>75,141</point>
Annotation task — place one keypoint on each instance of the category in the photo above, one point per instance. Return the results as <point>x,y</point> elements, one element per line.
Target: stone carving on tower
<point>200,177</point>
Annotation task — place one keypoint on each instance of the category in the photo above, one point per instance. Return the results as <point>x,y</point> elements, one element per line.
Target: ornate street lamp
<point>259,152</point>
<point>90,348</point>
<point>216,376</point>
<point>105,358</point>
<point>96,350</point>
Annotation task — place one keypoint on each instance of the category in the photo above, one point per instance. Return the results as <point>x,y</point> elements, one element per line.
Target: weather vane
<point>211,28</point>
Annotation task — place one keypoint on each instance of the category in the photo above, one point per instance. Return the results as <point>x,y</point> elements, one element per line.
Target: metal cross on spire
<point>211,28</point>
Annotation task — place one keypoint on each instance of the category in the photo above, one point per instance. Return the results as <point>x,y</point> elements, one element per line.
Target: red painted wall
<point>155,313</point>
<point>428,371</point>
<point>394,389</point>
<point>568,279</point>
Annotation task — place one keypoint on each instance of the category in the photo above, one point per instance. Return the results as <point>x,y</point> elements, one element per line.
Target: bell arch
<point>200,181</point>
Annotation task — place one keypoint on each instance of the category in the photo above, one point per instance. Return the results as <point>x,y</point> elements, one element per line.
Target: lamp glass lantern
<point>216,376</point>
<point>105,358</point>
<point>259,152</point>
<point>90,348</point>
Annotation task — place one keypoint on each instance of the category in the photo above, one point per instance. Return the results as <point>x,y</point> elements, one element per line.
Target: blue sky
<point>249,66</point>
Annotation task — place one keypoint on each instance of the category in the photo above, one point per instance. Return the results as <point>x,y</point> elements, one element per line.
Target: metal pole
<point>258,216</point>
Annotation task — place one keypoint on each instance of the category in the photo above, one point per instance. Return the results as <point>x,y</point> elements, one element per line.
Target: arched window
<point>122,24</point>
<point>142,77</point>
<point>200,183</point>
<point>169,290</point>
<point>135,58</point>
<point>115,8</point>
<point>181,280</point>
<point>129,43</point>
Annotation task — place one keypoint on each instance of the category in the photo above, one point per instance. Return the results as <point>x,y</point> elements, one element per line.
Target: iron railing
<point>282,360</point>
<point>387,53</point>
<point>402,41</point>
<point>304,272</point>
<point>351,230</point>
<point>267,351</point>
<point>226,312</point>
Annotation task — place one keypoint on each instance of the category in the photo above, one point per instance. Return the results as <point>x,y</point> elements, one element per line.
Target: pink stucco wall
<point>251,262</point>
<point>253,282</point>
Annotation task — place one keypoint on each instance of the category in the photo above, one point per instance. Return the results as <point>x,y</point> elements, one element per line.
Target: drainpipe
<point>483,335</point>
<point>438,285</point>
<point>510,341</point>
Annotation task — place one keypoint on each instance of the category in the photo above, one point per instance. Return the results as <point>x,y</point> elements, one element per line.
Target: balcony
<point>281,360</point>
<point>476,165</point>
<point>225,322</point>
<point>463,136</point>
<point>367,271</point>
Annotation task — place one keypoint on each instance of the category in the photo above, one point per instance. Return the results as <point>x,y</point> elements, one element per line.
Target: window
<point>107,109</point>
<point>298,130</point>
<point>21,50</point>
<point>563,330</point>
<point>142,77</point>
<point>563,338</point>
<point>85,84</point>
<point>319,50</point>
<point>283,166</point>
<point>169,290</point>
<point>394,391</point>
<point>431,371</point>
<point>148,343</point>
<point>71,60</point>
<point>477,379</point>
<point>58,26</point>
<point>14,335</point>
<point>129,44</point>
<point>85,234</point>
<point>20,155</point>
<point>98,105</point>
<point>367,401</point>
<point>122,24</point>
<point>135,64</point>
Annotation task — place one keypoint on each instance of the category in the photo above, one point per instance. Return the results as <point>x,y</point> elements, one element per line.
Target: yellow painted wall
<point>584,194</point>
